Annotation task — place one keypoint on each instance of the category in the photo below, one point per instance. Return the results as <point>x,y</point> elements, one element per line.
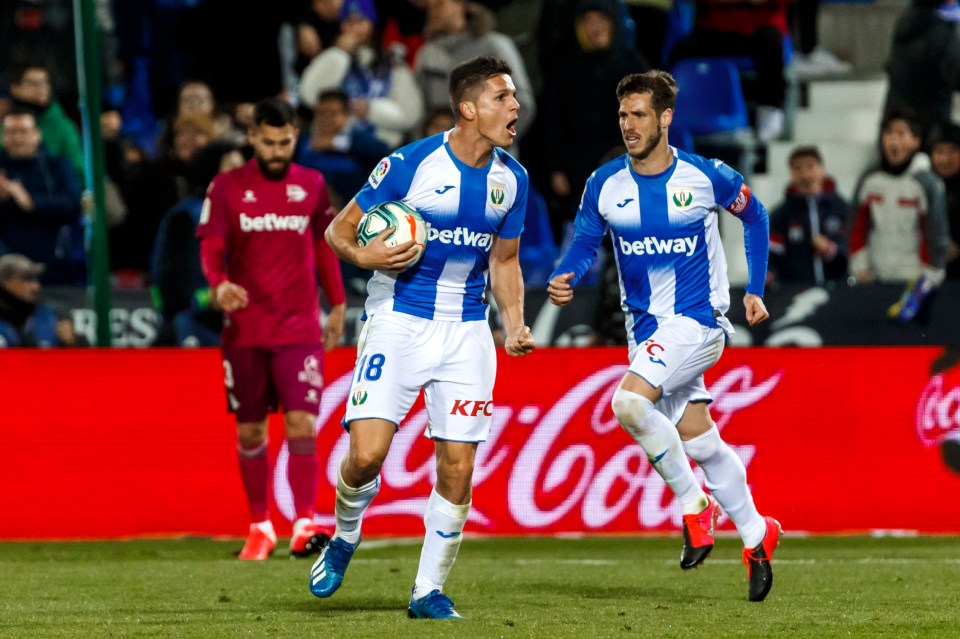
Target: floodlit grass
<point>531,587</point>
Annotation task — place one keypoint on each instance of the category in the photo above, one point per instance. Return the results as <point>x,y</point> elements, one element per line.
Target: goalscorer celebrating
<point>661,206</point>
<point>427,321</point>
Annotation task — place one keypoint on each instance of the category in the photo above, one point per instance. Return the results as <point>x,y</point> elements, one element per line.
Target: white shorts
<point>454,363</point>
<point>674,358</point>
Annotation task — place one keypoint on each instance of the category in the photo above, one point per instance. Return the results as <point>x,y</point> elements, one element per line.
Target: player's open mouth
<point>511,126</point>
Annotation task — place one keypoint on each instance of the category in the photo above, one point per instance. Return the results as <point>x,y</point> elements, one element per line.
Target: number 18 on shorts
<point>453,362</point>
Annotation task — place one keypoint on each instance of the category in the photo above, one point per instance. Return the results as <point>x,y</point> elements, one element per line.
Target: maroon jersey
<point>270,228</point>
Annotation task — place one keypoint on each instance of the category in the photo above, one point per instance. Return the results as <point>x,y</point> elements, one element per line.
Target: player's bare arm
<point>230,297</point>
<point>756,310</point>
<point>341,235</point>
<point>559,289</point>
<point>333,326</point>
<point>506,282</point>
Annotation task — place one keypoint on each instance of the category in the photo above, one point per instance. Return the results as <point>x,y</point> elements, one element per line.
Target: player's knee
<point>299,424</point>
<point>630,409</point>
<point>364,465</point>
<point>702,447</point>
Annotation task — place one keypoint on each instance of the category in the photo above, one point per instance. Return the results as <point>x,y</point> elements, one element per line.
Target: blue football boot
<point>434,605</point>
<point>327,572</point>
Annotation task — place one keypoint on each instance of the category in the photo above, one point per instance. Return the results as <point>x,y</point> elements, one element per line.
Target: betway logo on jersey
<point>274,222</point>
<point>461,236</point>
<point>657,246</point>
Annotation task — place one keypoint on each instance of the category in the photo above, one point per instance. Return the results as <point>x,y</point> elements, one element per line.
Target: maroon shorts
<point>260,380</point>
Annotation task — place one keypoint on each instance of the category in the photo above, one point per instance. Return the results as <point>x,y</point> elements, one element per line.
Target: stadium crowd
<point>367,76</point>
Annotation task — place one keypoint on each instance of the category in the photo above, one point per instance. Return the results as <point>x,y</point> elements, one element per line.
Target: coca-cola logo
<point>567,465</point>
<point>938,412</point>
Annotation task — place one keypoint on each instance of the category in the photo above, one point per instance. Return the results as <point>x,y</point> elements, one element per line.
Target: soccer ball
<point>408,223</point>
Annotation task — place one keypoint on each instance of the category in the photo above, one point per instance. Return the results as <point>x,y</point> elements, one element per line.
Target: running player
<point>426,325</point>
<point>661,206</point>
<point>262,248</point>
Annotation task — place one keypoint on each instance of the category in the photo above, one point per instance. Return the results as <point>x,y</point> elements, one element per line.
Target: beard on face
<point>648,148</point>
<point>275,171</point>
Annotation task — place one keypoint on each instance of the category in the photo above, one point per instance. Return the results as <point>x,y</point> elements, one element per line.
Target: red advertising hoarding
<point>119,443</point>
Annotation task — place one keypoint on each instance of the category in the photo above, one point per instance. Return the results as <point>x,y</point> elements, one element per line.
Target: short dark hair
<point>334,94</point>
<point>19,67</point>
<point>809,151</point>
<point>904,115</point>
<point>467,79</point>
<point>659,84</point>
<point>273,112</point>
<point>18,110</point>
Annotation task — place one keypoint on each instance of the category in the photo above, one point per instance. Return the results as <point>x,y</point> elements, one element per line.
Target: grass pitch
<point>530,587</point>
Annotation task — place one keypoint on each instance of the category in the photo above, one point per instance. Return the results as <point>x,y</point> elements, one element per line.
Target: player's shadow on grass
<point>361,605</point>
<point>611,592</point>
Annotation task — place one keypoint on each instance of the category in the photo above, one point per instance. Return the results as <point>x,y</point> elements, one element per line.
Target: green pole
<point>88,76</point>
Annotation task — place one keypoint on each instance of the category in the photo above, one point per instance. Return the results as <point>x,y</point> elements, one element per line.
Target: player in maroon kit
<point>262,248</point>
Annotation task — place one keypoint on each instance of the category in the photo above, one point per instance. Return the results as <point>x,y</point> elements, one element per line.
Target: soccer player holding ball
<point>661,206</point>
<point>262,248</point>
<point>427,320</point>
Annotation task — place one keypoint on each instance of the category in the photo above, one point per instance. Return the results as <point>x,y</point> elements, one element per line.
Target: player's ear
<point>468,110</point>
<point>666,118</point>
<point>251,136</point>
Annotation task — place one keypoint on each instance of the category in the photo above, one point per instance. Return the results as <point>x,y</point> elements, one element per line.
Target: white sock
<point>351,504</point>
<point>660,440</point>
<point>727,480</point>
<point>444,532</point>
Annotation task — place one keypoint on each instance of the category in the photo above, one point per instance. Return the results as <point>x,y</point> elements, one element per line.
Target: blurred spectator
<point>924,66</point>
<point>236,46</point>
<point>179,290</point>
<point>151,189</point>
<point>403,22</point>
<point>753,28</point>
<point>45,29</point>
<point>438,121</point>
<point>339,146</point>
<point>39,199</point>
<point>945,158</point>
<point>808,231</point>
<point>381,88</point>
<point>457,31</point>
<point>650,27</point>
<point>317,30</point>
<point>900,226</point>
<point>812,60</point>
<point>602,55</point>
<point>30,89</point>
<point>24,320</point>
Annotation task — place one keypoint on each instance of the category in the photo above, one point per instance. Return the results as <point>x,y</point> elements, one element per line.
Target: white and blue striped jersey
<point>464,208</point>
<point>666,241</point>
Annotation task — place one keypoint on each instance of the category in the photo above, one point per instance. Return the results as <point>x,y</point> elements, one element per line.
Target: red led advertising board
<point>119,443</point>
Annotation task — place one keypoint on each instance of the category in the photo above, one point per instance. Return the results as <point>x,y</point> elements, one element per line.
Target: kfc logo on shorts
<point>296,193</point>
<point>472,408</point>
<point>740,203</point>
<point>311,372</point>
<point>653,349</point>
<point>312,396</point>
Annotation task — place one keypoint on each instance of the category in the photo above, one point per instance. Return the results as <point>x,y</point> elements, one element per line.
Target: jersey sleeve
<point>390,180</point>
<point>589,228</point>
<point>512,225</point>
<point>213,215</point>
